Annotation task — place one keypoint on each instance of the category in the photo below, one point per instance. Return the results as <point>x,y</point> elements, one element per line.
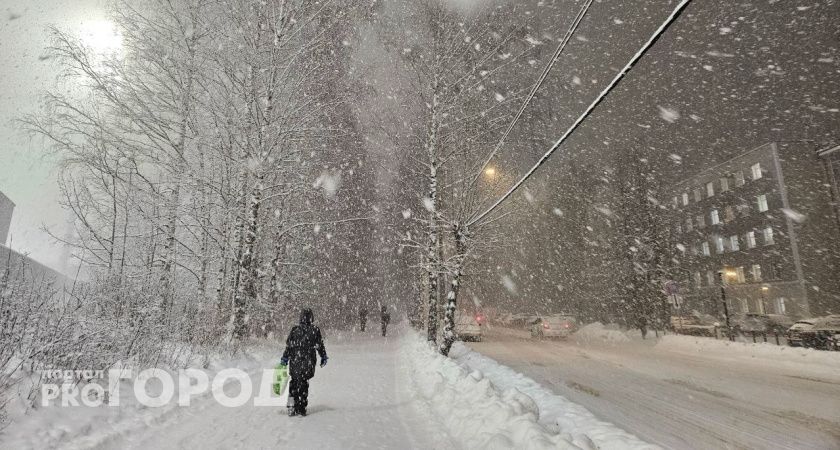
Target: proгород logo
<point>156,387</point>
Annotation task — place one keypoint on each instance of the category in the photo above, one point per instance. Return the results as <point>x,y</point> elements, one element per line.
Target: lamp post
<point>725,306</point>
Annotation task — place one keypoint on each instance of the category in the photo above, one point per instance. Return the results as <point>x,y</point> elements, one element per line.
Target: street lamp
<point>764,290</point>
<point>490,172</point>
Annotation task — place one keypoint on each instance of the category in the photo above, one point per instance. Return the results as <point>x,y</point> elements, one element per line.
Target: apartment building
<point>14,264</point>
<point>765,220</point>
<point>831,165</point>
<point>7,207</point>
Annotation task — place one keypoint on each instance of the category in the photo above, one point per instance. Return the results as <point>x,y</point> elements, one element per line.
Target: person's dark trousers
<point>299,391</point>
<point>384,329</point>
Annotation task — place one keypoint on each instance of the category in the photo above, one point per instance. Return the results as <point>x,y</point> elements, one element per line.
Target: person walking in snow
<point>363,312</point>
<point>384,317</point>
<point>303,342</point>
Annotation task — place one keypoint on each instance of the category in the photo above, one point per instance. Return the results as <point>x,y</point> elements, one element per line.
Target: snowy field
<point>374,393</point>
<point>684,392</point>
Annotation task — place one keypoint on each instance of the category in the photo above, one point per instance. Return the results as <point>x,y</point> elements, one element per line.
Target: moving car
<point>556,326</point>
<point>468,327</point>
<point>800,333</point>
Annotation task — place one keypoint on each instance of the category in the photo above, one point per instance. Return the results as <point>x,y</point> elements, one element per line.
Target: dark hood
<point>306,317</point>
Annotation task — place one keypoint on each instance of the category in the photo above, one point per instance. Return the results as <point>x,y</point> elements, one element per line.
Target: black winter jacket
<point>303,341</point>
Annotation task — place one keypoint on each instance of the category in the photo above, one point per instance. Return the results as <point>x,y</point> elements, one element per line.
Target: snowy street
<point>680,399</point>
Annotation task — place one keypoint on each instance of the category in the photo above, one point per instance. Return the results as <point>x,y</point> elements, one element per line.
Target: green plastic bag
<point>281,377</point>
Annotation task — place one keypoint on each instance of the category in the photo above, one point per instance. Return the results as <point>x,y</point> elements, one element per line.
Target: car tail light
<point>566,325</point>
<point>545,325</point>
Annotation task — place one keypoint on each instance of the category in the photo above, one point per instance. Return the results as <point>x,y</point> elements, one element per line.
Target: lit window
<point>734,243</point>
<point>715,216</point>
<point>768,236</point>
<point>739,178</point>
<point>729,214</point>
<point>697,279</point>
<point>705,247</point>
<point>676,201</point>
<point>780,305</point>
<point>724,184</point>
<point>685,199</point>
<point>710,277</point>
<point>756,272</point>
<point>761,200</point>
<point>756,171</point>
<point>698,194</point>
<point>719,245</point>
<point>739,274</point>
<point>689,225</point>
<point>750,239</point>
<point>710,189</point>
<point>701,222</point>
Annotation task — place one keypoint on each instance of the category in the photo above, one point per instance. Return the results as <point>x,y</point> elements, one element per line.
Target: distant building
<point>831,164</point>
<point>14,264</point>
<point>767,221</point>
<point>7,207</point>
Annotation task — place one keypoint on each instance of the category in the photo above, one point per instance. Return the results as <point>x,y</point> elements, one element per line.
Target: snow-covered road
<point>682,400</point>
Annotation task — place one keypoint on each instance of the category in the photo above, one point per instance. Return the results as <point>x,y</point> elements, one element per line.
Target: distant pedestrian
<point>303,342</point>
<point>363,313</point>
<point>384,317</point>
<point>642,324</point>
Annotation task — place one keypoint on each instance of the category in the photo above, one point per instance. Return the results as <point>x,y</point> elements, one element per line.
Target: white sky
<point>27,174</point>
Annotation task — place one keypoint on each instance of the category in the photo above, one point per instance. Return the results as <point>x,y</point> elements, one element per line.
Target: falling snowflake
<point>669,115</point>
<point>794,215</point>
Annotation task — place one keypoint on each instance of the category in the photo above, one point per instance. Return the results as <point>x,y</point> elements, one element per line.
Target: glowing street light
<point>490,172</point>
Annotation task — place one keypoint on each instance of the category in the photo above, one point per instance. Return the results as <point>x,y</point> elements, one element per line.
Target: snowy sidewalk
<point>355,402</point>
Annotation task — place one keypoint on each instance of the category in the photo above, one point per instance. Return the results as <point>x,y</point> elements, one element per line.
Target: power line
<point>543,75</point>
<point>656,35</point>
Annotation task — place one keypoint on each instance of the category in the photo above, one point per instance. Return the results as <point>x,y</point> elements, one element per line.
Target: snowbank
<point>569,420</point>
<point>801,358</point>
<point>86,427</point>
<point>474,412</point>
<point>486,405</point>
<point>597,331</point>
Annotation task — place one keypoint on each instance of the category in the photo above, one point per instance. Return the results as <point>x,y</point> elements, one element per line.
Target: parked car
<point>468,326</point>
<point>826,332</point>
<point>800,333</point>
<point>748,323</point>
<point>693,325</point>
<point>555,326</point>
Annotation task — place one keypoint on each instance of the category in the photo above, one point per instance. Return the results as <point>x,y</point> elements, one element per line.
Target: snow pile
<point>567,419</point>
<point>597,331</point>
<point>474,412</point>
<point>86,427</point>
<point>743,352</point>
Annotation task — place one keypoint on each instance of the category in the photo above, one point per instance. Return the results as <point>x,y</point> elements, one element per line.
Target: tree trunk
<point>247,289</point>
<point>452,297</point>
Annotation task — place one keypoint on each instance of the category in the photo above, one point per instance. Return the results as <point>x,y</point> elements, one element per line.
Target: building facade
<point>7,207</point>
<point>763,225</point>
<point>14,265</point>
<point>831,165</point>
